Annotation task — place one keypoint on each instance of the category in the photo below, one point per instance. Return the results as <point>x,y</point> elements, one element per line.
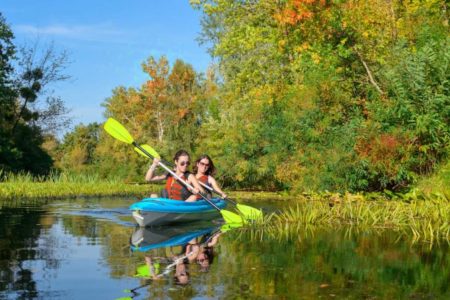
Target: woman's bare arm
<point>216,186</point>
<point>150,175</point>
<point>194,182</point>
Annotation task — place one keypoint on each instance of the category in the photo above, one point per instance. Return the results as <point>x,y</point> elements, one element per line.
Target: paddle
<point>118,131</point>
<point>250,213</point>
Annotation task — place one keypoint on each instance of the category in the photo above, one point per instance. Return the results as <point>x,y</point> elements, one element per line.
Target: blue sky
<point>107,41</point>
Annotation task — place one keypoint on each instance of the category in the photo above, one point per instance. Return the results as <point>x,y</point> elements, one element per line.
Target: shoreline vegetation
<point>25,186</point>
<point>421,215</point>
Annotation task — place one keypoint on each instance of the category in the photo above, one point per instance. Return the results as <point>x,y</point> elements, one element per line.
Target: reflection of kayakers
<point>154,266</point>
<point>204,171</point>
<point>174,189</point>
<point>181,275</point>
<point>179,257</point>
<point>202,252</point>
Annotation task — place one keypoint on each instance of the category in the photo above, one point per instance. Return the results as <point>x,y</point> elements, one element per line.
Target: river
<point>91,249</point>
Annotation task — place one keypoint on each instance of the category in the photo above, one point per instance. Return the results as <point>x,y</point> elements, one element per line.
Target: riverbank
<point>69,186</point>
<point>25,186</point>
<point>418,215</point>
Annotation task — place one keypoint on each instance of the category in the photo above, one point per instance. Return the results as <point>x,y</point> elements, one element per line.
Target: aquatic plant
<point>418,217</point>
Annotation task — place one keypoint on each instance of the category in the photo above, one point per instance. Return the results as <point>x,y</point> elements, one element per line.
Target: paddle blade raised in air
<point>117,131</point>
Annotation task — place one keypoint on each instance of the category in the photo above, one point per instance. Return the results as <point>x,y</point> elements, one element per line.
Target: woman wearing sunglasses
<point>204,170</point>
<point>174,189</point>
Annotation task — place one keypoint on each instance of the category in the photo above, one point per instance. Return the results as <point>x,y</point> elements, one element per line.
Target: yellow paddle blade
<point>230,226</point>
<point>149,149</point>
<point>250,213</point>
<point>143,271</point>
<point>117,131</point>
<point>231,218</point>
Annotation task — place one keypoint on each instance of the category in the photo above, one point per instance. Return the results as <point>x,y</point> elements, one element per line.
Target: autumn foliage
<point>310,95</point>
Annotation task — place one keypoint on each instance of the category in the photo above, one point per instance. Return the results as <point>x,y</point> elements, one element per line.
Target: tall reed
<point>420,220</point>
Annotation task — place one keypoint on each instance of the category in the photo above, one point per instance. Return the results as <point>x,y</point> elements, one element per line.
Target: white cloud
<point>83,32</point>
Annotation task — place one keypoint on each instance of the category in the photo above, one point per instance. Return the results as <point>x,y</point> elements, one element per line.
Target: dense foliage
<point>339,95</point>
<point>23,124</point>
<point>306,95</point>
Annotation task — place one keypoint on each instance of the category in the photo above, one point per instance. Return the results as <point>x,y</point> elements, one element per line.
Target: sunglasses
<point>184,163</point>
<point>203,164</point>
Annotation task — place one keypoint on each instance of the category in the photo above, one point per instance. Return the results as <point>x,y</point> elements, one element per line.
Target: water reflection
<point>176,248</point>
<point>81,249</point>
<point>19,237</point>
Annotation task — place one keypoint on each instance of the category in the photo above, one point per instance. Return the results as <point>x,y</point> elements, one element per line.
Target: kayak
<point>163,211</point>
<point>149,238</point>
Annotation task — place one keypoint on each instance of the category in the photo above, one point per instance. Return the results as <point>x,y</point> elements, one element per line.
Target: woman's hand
<point>155,163</point>
<point>224,195</point>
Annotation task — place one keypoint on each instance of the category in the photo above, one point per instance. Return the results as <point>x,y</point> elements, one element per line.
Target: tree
<point>166,112</point>
<point>23,121</point>
<point>77,150</point>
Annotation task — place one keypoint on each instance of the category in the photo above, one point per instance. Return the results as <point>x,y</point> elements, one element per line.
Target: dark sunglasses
<point>184,163</point>
<point>203,164</point>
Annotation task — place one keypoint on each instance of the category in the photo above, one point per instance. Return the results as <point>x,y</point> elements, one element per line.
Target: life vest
<point>204,179</point>
<point>175,189</point>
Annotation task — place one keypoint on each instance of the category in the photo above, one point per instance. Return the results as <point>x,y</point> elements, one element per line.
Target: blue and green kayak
<point>162,211</point>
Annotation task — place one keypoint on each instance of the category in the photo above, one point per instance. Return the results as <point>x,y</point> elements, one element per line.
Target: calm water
<point>90,249</point>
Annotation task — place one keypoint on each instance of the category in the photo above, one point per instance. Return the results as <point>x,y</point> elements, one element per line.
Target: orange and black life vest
<point>204,179</point>
<point>175,189</point>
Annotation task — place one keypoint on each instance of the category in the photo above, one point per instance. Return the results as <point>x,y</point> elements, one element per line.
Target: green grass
<point>68,185</point>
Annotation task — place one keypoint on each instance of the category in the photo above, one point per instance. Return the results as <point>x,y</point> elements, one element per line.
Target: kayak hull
<point>161,211</point>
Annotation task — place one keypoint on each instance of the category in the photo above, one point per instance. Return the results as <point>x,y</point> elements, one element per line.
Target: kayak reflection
<point>148,238</point>
<point>179,248</point>
<point>175,250</point>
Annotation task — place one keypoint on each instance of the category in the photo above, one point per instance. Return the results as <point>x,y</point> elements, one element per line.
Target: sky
<point>107,41</point>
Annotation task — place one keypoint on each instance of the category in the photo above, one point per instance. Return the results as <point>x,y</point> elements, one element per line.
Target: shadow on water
<point>84,248</point>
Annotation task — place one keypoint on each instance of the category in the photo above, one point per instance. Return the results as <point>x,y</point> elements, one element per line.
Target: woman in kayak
<point>174,189</point>
<point>204,170</point>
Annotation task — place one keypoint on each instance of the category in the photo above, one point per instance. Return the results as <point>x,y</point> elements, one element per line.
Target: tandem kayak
<point>145,239</point>
<point>162,211</point>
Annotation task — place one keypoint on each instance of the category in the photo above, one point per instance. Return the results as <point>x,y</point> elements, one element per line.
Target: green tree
<point>77,150</point>
<point>166,112</point>
<point>22,124</point>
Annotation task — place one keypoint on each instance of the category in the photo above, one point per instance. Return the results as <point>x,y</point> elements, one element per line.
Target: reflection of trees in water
<point>19,234</point>
<point>358,266</point>
<point>113,238</point>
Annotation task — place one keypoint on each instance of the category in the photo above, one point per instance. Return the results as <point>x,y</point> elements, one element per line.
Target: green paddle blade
<point>149,149</point>
<point>230,226</point>
<point>250,213</point>
<point>143,271</point>
<point>231,217</point>
<point>117,131</point>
